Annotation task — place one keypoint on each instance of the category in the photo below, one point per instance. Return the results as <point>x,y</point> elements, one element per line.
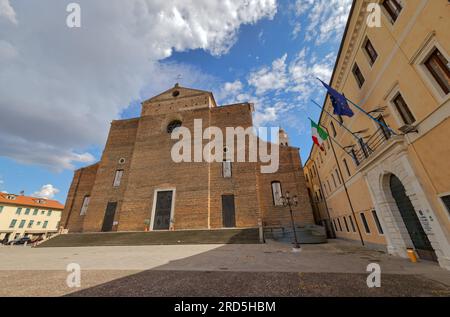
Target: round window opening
<point>122,161</point>
<point>176,93</point>
<point>173,126</point>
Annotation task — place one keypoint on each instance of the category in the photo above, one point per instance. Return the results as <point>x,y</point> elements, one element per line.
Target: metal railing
<point>365,149</point>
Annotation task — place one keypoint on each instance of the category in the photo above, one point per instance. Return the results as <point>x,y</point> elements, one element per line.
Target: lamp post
<point>291,202</point>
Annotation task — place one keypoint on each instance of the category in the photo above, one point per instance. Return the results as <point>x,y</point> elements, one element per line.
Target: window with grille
<point>346,224</point>
<point>365,223</point>
<point>377,222</point>
<point>352,223</point>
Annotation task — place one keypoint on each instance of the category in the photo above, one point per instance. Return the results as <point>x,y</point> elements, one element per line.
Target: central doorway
<point>162,210</point>
<point>108,220</point>
<point>228,211</point>
<point>418,236</point>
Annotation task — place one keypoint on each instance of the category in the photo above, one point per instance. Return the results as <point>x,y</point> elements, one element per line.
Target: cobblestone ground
<point>334,269</point>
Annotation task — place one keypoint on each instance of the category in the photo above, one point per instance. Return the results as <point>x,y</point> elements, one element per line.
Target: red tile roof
<point>30,201</point>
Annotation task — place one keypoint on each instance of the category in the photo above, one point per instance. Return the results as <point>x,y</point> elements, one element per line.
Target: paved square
<point>334,269</point>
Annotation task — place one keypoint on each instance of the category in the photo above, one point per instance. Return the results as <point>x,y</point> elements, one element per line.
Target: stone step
<point>221,236</point>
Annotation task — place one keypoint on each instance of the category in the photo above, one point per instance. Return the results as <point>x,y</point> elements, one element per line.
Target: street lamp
<point>291,202</point>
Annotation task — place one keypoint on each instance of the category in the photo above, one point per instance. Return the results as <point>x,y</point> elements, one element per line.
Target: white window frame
<point>393,108</point>
<point>363,48</point>
<point>227,171</point>
<point>391,23</point>
<point>419,60</point>
<point>277,189</point>
<point>172,209</point>
<point>85,206</point>
<point>118,178</point>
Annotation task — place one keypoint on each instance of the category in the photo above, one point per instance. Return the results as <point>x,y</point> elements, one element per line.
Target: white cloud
<point>47,191</point>
<point>7,12</point>
<point>297,29</point>
<point>270,78</point>
<point>61,87</point>
<point>304,71</point>
<point>233,88</point>
<point>296,78</point>
<point>326,18</point>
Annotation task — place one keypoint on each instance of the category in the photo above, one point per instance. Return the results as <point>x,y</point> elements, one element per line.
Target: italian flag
<point>319,135</point>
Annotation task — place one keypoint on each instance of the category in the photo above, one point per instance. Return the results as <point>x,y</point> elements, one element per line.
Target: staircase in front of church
<point>221,236</point>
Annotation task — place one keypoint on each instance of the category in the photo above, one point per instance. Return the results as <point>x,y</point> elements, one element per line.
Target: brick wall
<point>145,146</point>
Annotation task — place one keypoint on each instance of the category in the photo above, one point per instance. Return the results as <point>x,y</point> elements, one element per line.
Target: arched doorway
<point>418,236</point>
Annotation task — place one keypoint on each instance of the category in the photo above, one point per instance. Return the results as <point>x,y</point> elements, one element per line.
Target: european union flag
<point>339,102</point>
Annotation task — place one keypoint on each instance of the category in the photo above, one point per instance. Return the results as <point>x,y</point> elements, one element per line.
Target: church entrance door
<point>163,210</point>
<point>110,213</point>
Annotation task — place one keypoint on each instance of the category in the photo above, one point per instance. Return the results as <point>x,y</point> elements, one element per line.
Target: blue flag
<point>339,102</point>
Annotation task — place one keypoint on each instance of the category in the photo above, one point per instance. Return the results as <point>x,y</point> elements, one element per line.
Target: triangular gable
<point>182,92</point>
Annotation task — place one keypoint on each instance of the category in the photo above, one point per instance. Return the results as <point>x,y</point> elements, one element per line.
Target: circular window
<point>173,125</point>
<point>122,161</point>
<point>176,93</point>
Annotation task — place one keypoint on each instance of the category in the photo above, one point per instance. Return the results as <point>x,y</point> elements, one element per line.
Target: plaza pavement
<point>334,269</point>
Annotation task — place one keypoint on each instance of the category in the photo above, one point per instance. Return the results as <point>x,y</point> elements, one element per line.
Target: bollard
<point>412,255</point>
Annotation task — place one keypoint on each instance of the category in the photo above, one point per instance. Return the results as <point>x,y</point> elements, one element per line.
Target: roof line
<point>341,48</point>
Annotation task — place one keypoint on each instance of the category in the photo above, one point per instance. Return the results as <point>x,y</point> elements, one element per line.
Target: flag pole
<point>346,191</point>
<point>354,104</point>
<point>371,117</point>
<point>334,140</point>
<point>332,117</point>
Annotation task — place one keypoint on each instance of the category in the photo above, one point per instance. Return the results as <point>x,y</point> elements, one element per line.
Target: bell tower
<point>283,137</point>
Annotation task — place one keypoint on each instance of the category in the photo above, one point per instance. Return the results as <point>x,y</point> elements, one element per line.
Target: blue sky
<point>270,57</point>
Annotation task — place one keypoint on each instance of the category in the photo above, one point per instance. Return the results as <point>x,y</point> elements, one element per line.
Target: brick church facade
<point>137,186</point>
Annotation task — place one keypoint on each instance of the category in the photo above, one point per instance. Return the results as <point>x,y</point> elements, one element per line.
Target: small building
<point>24,216</point>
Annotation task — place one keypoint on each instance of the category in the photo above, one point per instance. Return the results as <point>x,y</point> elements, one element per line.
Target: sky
<point>61,87</point>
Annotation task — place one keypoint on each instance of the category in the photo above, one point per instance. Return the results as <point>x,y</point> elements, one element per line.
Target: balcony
<point>365,150</point>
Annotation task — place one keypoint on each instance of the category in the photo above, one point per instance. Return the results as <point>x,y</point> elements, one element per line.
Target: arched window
<point>277,193</point>
<point>175,124</point>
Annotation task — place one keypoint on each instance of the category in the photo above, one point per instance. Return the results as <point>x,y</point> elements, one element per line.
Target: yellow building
<point>28,216</point>
<point>393,189</point>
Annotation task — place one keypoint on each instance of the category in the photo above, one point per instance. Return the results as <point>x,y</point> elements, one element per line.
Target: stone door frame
<point>396,234</point>
<point>172,209</point>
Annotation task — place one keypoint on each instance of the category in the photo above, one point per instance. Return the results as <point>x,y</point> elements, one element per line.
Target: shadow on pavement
<point>170,281</point>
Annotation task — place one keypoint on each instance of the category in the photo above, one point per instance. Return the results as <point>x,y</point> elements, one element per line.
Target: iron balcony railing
<point>365,149</point>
